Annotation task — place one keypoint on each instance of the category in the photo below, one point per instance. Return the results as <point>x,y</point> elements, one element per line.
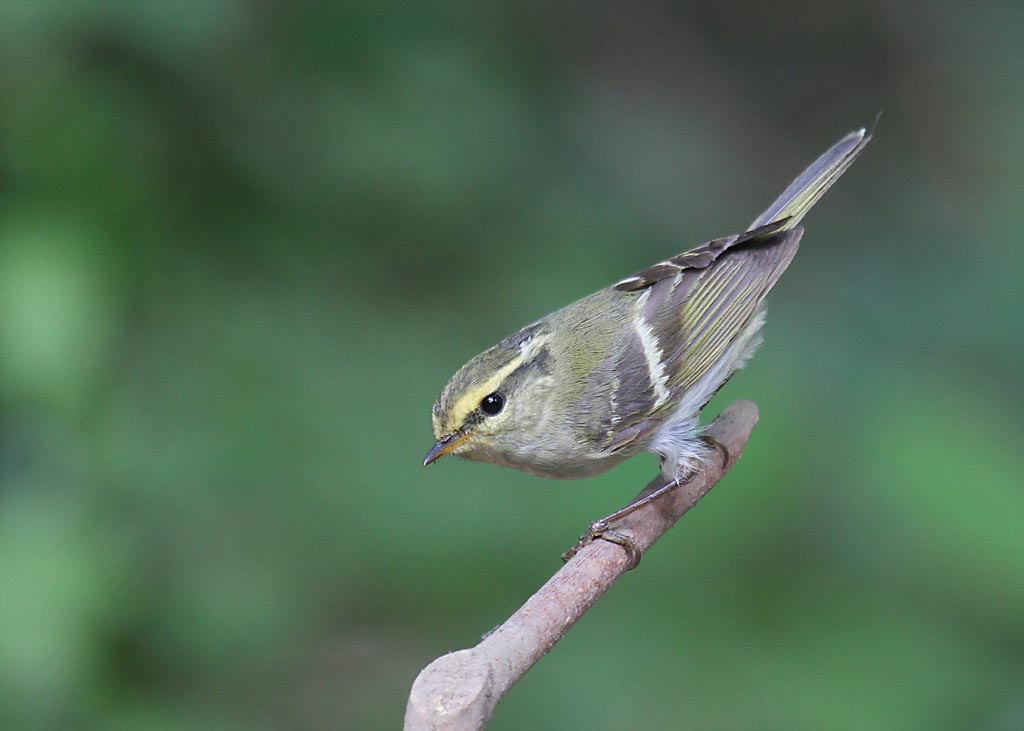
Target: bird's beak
<point>444,445</point>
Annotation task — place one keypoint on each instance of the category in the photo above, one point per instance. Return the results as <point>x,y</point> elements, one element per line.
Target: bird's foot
<point>717,445</point>
<point>599,530</point>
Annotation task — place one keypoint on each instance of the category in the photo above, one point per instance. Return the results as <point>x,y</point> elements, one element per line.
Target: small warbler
<point>629,368</point>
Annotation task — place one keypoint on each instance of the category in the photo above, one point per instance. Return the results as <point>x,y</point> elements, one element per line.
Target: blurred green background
<point>243,245</point>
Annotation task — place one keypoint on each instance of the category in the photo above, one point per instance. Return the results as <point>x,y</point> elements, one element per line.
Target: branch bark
<point>459,691</point>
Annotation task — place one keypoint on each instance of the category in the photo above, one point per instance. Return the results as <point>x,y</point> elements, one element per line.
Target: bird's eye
<point>492,403</point>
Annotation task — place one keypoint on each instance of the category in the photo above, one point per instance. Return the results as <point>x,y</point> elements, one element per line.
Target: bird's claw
<point>715,444</point>
<point>599,529</point>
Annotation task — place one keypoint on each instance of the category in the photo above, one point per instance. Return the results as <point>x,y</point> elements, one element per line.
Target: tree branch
<point>459,691</point>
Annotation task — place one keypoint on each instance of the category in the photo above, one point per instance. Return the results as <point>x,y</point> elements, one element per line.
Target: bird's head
<point>495,404</point>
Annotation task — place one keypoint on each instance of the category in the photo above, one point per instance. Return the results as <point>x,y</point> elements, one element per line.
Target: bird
<point>629,368</point>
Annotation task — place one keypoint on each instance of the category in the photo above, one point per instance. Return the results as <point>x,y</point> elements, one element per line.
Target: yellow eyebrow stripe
<point>468,401</point>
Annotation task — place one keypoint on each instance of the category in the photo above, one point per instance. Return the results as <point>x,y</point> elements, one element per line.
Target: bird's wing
<point>690,308</point>
<point>688,317</point>
<point>719,304</point>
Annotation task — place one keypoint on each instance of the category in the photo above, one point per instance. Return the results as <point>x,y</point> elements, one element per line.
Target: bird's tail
<point>812,183</point>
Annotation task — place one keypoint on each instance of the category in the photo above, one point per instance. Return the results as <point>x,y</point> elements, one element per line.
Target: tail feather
<point>812,183</point>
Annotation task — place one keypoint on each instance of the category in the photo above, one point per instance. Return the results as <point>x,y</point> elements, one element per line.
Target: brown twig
<point>459,691</point>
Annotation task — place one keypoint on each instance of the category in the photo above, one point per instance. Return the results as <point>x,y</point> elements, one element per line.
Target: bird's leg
<point>601,528</point>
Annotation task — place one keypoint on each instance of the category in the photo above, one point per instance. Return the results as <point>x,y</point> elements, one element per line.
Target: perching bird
<point>629,368</point>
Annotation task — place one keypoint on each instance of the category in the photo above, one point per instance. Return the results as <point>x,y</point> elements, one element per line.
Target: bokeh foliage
<point>242,245</point>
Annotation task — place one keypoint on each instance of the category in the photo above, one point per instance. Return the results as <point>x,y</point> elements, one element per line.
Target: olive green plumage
<point>629,368</point>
